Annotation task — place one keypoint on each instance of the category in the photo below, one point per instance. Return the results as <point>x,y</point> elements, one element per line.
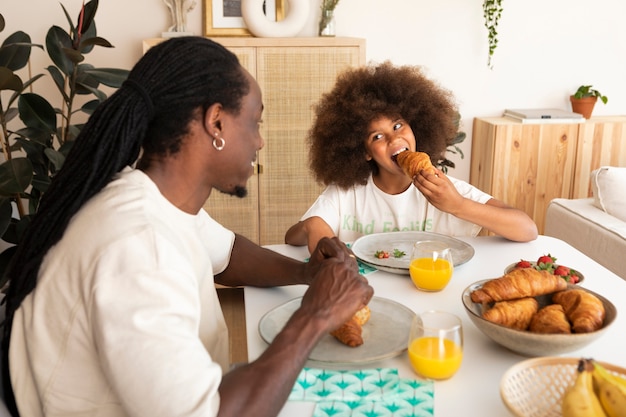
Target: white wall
<point>546,50</point>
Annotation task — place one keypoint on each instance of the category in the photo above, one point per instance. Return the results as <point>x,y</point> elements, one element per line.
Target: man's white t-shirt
<point>125,319</point>
<point>365,209</point>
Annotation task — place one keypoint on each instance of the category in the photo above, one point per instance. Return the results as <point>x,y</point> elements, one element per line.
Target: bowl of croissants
<point>536,313</point>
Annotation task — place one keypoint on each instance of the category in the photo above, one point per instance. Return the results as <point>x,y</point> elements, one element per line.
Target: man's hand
<point>336,290</point>
<point>328,248</point>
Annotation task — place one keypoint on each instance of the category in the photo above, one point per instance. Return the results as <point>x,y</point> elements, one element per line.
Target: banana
<point>611,390</point>
<point>580,400</point>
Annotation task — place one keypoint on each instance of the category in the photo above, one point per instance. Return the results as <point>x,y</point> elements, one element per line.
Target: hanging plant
<point>492,11</point>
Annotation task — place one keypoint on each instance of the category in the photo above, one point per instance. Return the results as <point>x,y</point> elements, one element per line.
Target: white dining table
<point>474,389</point>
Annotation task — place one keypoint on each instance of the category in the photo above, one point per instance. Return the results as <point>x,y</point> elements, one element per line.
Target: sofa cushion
<point>589,229</point>
<point>609,190</point>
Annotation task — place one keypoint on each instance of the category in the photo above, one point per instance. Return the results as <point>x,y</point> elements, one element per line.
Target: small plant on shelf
<point>584,100</point>
<point>587,91</point>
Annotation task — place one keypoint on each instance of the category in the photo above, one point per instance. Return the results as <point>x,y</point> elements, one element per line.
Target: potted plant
<point>445,163</point>
<point>584,100</point>
<point>35,135</point>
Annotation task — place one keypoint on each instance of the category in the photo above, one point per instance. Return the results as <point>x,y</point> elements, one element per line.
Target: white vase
<point>259,25</point>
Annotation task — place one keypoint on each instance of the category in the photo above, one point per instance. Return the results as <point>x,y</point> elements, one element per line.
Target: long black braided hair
<point>150,113</point>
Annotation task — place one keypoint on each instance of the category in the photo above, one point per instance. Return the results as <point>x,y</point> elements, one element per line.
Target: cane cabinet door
<point>293,74</point>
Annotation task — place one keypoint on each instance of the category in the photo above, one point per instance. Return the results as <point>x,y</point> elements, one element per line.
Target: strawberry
<point>523,264</point>
<point>574,279</point>
<point>382,254</point>
<point>546,260</point>
<point>562,271</point>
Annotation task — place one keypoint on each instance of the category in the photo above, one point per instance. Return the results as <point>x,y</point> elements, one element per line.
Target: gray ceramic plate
<point>366,246</point>
<point>385,335</point>
<point>533,344</point>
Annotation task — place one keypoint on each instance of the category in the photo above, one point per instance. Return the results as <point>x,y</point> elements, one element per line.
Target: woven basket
<point>535,387</point>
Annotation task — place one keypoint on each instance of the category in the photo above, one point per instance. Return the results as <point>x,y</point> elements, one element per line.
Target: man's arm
<point>335,293</point>
<point>253,265</point>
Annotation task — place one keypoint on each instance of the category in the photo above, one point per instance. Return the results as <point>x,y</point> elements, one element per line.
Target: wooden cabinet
<point>293,73</point>
<point>527,165</point>
<point>601,142</point>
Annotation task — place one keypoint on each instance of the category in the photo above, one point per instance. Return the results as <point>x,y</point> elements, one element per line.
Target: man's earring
<point>221,142</point>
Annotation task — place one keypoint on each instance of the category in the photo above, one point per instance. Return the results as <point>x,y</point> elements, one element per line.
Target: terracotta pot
<point>583,105</point>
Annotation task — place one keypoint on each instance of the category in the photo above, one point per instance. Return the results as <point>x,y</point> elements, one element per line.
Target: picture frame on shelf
<point>223,17</point>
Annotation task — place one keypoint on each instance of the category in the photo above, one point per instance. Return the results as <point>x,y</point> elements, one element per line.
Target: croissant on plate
<point>550,319</point>
<point>584,310</point>
<point>350,333</point>
<point>519,283</point>
<point>414,162</point>
<point>363,315</point>
<point>515,314</point>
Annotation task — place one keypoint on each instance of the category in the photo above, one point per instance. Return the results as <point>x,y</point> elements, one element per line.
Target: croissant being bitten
<point>414,162</point>
<point>519,283</point>
<point>350,333</point>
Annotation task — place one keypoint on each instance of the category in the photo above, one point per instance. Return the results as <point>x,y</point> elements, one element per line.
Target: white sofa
<point>596,226</point>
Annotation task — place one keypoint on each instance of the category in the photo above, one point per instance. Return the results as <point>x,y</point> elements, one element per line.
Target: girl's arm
<point>500,219</point>
<point>308,232</point>
<point>494,215</point>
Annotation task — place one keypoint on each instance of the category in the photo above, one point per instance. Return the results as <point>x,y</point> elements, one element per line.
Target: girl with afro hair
<point>373,113</point>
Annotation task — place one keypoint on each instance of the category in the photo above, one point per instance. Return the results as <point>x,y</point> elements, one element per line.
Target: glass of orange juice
<point>436,344</point>
<point>431,265</point>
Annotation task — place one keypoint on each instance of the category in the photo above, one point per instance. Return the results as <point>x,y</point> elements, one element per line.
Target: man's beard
<point>239,191</point>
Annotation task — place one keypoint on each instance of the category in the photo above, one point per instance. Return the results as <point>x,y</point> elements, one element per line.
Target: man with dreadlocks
<point>112,308</point>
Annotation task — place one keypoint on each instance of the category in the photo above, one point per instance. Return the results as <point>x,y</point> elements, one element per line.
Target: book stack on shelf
<point>543,116</point>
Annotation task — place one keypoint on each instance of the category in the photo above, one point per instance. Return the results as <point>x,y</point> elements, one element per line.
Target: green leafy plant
<point>587,91</point>
<point>445,163</point>
<point>492,11</point>
<point>36,136</point>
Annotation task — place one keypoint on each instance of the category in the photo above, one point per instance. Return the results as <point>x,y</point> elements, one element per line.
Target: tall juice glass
<point>431,265</point>
<point>436,345</point>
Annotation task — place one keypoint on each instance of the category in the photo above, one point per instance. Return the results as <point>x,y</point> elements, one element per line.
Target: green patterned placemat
<point>354,385</point>
<point>364,393</point>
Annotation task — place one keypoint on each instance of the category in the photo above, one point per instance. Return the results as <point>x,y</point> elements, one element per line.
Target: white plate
<point>366,246</point>
<point>385,335</point>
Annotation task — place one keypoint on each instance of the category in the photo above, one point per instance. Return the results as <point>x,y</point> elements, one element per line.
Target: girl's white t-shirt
<point>365,209</point>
